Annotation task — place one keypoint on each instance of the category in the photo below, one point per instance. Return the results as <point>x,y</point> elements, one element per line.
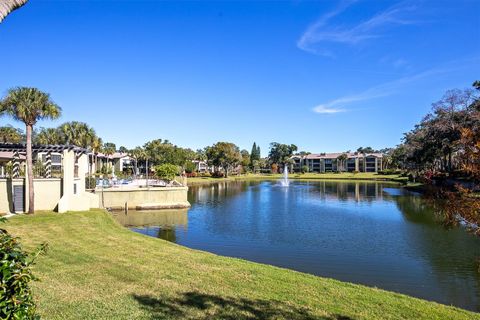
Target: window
<point>56,158</point>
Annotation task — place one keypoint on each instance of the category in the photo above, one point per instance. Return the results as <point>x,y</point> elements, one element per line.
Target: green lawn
<point>96,269</point>
<point>306,176</point>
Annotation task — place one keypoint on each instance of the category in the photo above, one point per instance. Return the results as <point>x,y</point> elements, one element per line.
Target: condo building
<point>339,162</point>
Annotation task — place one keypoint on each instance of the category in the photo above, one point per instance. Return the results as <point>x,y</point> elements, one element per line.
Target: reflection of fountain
<point>285,182</point>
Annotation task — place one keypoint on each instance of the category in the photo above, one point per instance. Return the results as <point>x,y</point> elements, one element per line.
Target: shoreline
<point>313,177</point>
<point>185,272</point>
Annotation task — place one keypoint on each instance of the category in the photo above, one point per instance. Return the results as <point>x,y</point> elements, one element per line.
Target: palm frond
<point>7,6</point>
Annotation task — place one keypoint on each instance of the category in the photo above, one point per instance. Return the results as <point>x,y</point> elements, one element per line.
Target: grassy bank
<point>303,176</point>
<point>96,269</point>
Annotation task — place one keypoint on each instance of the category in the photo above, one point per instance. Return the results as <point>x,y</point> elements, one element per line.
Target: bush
<point>204,174</point>
<point>120,174</point>
<point>389,171</point>
<point>217,174</point>
<point>305,169</point>
<point>90,182</point>
<point>39,169</point>
<point>9,169</point>
<point>356,171</point>
<point>166,171</point>
<point>274,168</point>
<point>16,299</point>
<point>190,167</point>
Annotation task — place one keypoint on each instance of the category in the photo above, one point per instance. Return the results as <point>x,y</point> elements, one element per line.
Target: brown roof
<point>9,155</point>
<point>116,155</point>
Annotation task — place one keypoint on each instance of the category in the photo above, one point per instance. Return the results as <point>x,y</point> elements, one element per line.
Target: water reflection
<point>364,232</point>
<point>139,218</point>
<point>161,224</point>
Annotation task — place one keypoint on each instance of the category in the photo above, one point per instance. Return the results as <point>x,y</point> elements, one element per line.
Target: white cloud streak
<point>385,89</point>
<point>320,32</point>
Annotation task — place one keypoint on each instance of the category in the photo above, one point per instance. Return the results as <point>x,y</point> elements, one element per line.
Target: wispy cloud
<point>382,90</point>
<point>339,104</point>
<point>328,108</point>
<point>321,32</point>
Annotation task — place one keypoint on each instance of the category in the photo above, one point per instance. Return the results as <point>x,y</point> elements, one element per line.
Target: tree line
<point>446,140</point>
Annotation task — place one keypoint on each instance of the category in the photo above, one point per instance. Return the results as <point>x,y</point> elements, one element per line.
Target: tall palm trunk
<point>31,195</point>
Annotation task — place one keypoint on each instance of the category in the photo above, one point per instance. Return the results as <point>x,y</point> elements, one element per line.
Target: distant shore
<point>365,176</point>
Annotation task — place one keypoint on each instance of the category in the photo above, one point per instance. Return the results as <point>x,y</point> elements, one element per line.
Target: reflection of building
<point>357,191</point>
<point>336,162</point>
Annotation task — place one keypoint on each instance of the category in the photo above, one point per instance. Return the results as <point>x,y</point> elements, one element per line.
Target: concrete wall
<point>6,194</point>
<point>151,198</point>
<point>5,198</point>
<point>47,193</point>
<point>74,197</point>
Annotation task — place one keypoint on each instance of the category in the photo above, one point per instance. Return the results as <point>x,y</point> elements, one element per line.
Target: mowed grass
<point>301,176</point>
<point>96,269</point>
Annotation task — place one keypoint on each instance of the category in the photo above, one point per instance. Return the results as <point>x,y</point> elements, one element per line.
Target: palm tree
<point>29,105</point>
<point>96,147</point>
<point>49,136</point>
<point>341,162</point>
<point>9,134</point>
<point>109,148</point>
<point>7,6</point>
<point>77,133</point>
<point>137,153</point>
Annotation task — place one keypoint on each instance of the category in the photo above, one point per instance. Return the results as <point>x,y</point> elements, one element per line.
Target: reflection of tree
<point>167,233</point>
<point>451,254</point>
<point>416,209</point>
<point>217,191</point>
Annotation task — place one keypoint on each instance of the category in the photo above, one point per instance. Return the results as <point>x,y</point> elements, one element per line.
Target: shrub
<point>217,174</point>
<point>90,182</point>
<point>274,168</point>
<point>120,174</point>
<point>190,167</point>
<point>387,171</point>
<point>106,170</point>
<point>16,298</point>
<point>246,169</point>
<point>38,169</point>
<point>9,169</point>
<point>305,169</point>
<point>356,171</point>
<point>166,171</point>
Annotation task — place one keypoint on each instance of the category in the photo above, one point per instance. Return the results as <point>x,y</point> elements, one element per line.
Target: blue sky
<point>325,75</point>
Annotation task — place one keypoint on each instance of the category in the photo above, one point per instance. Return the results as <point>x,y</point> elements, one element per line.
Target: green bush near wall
<point>16,298</point>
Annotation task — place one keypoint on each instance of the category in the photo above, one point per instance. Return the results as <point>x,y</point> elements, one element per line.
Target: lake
<point>371,233</point>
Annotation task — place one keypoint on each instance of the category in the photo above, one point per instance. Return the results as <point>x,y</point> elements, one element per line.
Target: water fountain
<point>285,182</point>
